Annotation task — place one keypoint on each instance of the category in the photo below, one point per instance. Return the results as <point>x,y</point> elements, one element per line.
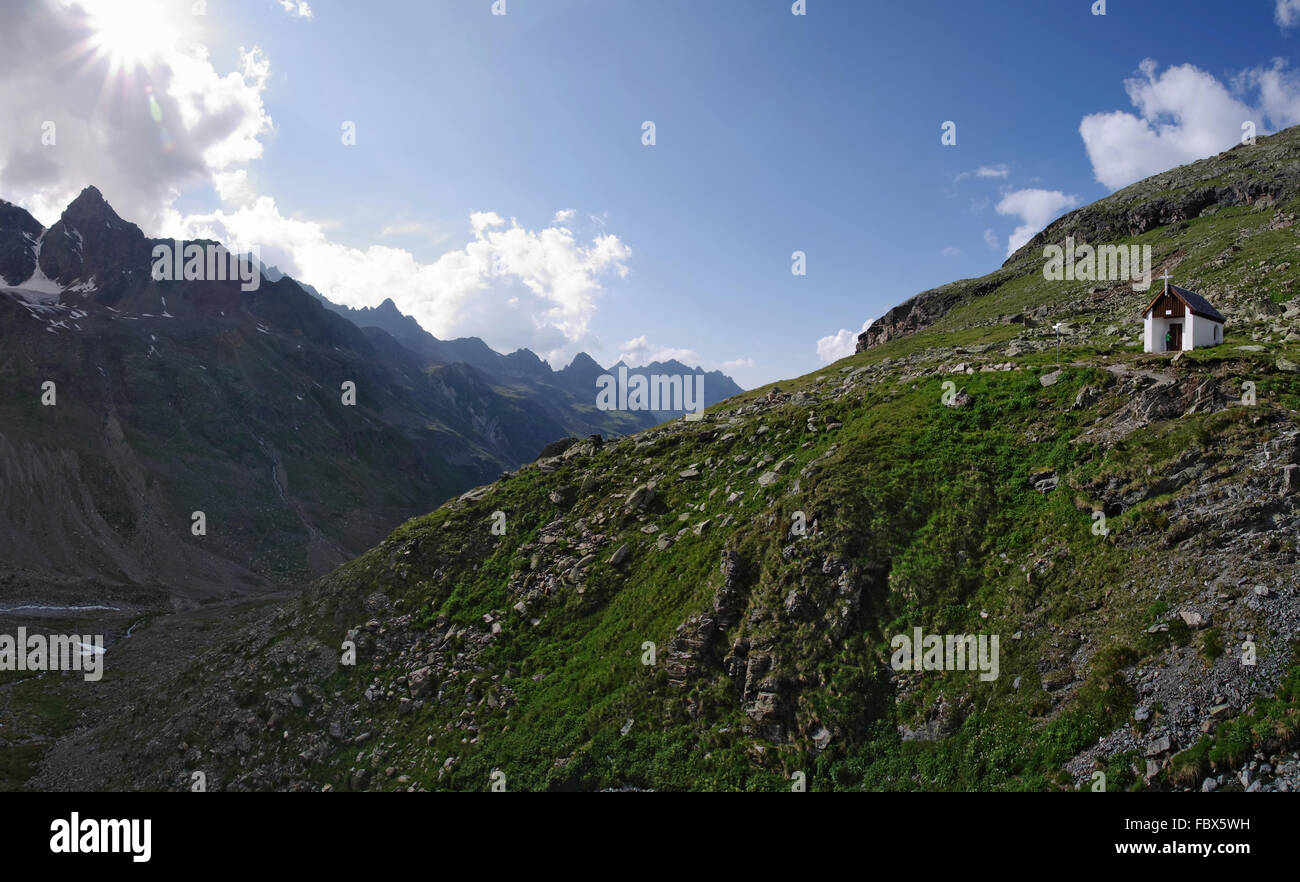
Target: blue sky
<point>774,133</point>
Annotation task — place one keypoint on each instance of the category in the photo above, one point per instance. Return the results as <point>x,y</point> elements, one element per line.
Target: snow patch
<point>42,288</point>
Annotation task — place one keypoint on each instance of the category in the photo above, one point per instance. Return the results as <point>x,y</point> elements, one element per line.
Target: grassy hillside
<point>1124,523</point>
<point>918,514</point>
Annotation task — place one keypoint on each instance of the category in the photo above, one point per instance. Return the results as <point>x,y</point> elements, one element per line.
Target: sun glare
<point>130,32</point>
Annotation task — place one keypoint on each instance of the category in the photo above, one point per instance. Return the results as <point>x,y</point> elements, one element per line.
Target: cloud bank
<point>1184,114</point>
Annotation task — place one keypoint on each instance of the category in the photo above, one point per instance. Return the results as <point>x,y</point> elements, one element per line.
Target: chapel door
<point>1176,331</point>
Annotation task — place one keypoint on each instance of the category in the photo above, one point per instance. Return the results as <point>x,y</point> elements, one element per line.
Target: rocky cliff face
<point>18,232</point>
<point>923,310</point>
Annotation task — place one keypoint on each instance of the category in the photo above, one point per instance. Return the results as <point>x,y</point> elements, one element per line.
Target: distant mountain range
<point>177,397</point>
<point>522,365</point>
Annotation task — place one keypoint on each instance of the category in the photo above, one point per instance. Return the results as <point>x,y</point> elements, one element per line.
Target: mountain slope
<point>1222,227</point>
<point>176,397</point>
<point>718,604</point>
<point>773,648</point>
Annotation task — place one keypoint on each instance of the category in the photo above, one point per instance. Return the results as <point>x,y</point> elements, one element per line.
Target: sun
<point>129,33</point>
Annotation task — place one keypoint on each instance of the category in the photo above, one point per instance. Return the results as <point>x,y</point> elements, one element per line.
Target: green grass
<point>920,515</point>
<point>931,509</point>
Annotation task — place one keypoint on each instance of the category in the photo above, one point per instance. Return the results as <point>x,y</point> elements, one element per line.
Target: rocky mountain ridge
<point>175,397</point>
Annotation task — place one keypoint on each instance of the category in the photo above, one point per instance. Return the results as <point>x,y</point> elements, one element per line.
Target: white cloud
<point>1036,209</point>
<point>404,228</point>
<point>197,126</point>
<point>512,286</point>
<point>1185,114</point>
<point>1287,13</point>
<point>211,123</point>
<point>991,240</point>
<point>297,8</point>
<point>481,221</point>
<point>1277,90</point>
<point>1001,170</point>
<point>950,251</point>
<point>639,351</point>
<point>841,344</point>
<point>233,187</point>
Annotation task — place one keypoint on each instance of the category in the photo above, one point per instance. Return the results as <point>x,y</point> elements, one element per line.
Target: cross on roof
<point>1166,278</point>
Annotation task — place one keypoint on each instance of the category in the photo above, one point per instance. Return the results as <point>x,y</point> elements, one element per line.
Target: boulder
<point>642,496</point>
<point>617,558</point>
<point>555,448</point>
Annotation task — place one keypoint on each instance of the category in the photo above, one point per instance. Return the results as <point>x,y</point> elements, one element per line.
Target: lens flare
<point>129,33</point>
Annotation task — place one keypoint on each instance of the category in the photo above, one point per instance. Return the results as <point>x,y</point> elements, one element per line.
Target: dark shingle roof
<point>1195,302</point>
<point>1198,304</point>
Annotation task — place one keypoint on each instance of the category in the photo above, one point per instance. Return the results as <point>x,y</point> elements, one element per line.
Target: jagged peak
<point>90,205</point>
<point>583,361</point>
<point>15,216</point>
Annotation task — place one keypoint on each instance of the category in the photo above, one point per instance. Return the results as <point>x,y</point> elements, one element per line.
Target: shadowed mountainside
<point>175,397</point>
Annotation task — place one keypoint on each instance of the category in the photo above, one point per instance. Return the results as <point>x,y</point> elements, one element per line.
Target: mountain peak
<point>14,217</point>
<point>91,206</point>
<point>90,240</point>
<point>583,361</point>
